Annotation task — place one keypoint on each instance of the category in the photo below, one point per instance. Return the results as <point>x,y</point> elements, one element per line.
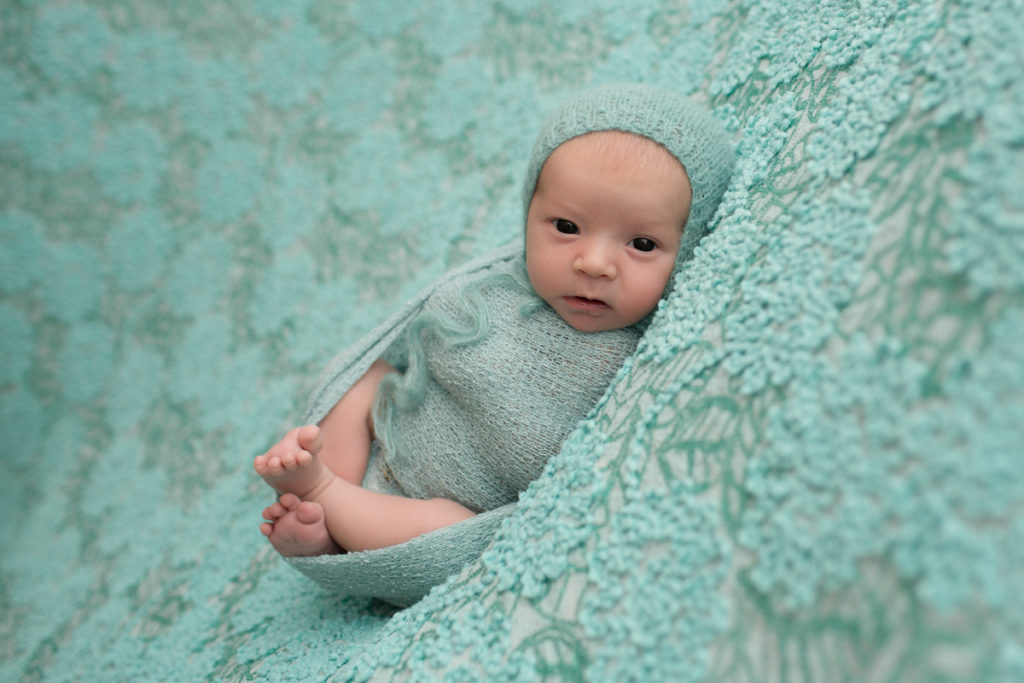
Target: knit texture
<point>476,414</point>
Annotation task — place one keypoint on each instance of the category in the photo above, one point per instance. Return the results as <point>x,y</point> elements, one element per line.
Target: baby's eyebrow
<point>563,205</point>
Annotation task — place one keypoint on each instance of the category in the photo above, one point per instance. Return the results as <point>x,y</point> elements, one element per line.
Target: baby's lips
<point>586,302</point>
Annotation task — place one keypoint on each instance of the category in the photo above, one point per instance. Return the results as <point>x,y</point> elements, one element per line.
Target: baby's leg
<point>347,429</point>
<point>342,438</point>
<point>356,518</point>
<point>325,465</point>
<point>343,444</point>
<point>360,519</point>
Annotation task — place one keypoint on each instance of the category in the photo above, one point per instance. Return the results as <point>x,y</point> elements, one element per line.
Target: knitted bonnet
<point>688,132</point>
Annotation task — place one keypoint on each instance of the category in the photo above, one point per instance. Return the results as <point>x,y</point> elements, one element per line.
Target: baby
<point>502,363</point>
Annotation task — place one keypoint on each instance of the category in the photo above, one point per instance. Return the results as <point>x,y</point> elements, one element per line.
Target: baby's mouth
<point>586,304</point>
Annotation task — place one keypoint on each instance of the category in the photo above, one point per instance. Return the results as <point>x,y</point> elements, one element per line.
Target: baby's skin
<point>317,505</point>
<point>295,527</point>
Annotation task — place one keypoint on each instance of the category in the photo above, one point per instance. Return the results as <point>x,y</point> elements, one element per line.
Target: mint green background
<point>811,471</point>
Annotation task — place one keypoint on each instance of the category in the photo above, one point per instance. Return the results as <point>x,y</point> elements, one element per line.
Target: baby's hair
<point>620,146</point>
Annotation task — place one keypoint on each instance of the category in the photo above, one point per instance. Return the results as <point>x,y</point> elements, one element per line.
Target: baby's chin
<point>591,322</point>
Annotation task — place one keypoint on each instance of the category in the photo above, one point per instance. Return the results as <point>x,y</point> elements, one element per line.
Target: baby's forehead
<point>616,150</point>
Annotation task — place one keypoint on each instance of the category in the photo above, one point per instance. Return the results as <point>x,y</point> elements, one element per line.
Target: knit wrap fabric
<point>494,382</point>
<point>689,132</point>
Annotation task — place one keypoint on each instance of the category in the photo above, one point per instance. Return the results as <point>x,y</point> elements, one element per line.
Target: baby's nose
<point>595,261</point>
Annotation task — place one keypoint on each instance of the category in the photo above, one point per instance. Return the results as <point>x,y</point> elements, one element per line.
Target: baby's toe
<point>309,438</point>
<point>273,512</point>
<point>290,460</point>
<point>289,501</point>
<point>309,513</point>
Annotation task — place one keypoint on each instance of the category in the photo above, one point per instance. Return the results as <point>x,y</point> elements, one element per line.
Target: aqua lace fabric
<point>810,470</point>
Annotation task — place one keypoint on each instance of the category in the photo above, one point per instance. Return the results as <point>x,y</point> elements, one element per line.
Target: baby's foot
<point>291,465</point>
<point>296,528</point>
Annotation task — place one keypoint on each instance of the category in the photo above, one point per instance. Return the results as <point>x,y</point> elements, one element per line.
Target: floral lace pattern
<point>809,471</point>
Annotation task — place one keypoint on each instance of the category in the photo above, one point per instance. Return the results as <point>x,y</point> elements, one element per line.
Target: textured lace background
<point>811,471</point>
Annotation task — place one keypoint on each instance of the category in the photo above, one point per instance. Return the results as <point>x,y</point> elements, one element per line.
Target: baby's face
<point>604,227</point>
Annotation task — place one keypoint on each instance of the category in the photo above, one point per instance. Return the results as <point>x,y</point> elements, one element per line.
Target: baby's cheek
<point>656,279</point>
<point>651,292</point>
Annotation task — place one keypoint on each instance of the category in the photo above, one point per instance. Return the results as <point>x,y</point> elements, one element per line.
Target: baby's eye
<point>644,244</point>
<point>566,227</point>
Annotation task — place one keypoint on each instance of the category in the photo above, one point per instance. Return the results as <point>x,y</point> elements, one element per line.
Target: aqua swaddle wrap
<point>493,380</point>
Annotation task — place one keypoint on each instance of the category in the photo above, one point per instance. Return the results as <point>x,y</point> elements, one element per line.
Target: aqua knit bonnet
<point>687,131</point>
